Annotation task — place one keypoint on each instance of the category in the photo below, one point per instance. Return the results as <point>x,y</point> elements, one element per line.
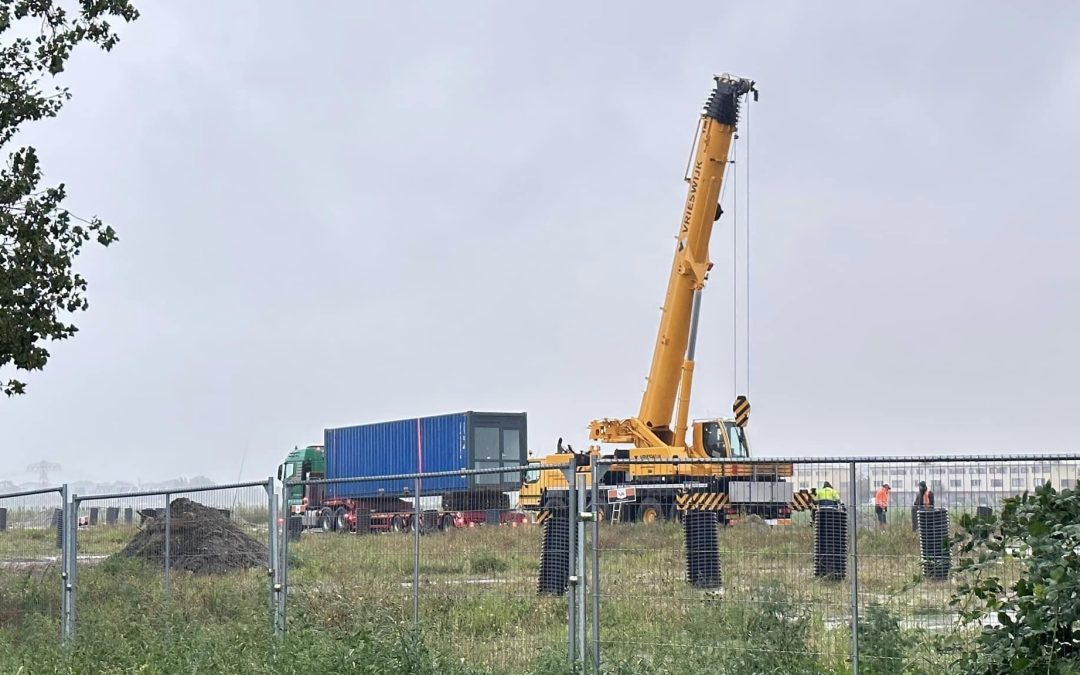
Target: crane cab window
<point>737,441</point>
<point>533,474</point>
<point>712,436</point>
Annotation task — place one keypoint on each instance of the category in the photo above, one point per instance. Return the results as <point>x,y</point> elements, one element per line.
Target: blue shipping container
<point>468,440</point>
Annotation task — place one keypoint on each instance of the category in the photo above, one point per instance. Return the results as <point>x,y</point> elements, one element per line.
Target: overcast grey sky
<point>341,212</point>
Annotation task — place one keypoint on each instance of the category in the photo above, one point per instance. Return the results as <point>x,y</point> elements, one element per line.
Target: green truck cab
<point>301,464</point>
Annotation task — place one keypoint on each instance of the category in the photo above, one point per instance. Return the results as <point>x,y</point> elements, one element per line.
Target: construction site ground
<point>478,596</point>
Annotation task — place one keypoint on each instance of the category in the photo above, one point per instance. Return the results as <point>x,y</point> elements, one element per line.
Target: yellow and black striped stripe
<point>742,411</point>
<point>701,501</point>
<point>543,515</point>
<point>803,501</point>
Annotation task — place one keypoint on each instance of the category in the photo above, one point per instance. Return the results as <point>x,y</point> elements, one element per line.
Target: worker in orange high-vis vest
<point>924,499</point>
<point>881,503</point>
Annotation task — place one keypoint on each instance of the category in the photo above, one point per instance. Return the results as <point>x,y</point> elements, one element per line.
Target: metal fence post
<point>579,570</point>
<point>283,592</point>
<point>71,536</point>
<point>65,571</point>
<point>274,556</point>
<point>596,472</point>
<point>416,556</point>
<point>853,547</point>
<point>571,554</point>
<point>168,543</point>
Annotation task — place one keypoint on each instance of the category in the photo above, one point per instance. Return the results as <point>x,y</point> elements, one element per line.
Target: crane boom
<point>652,477</point>
<point>674,352</point>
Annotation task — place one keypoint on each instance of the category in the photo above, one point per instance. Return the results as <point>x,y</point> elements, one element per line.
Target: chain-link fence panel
<point>911,515</point>
<point>31,563</point>
<point>726,567</point>
<point>350,559</point>
<point>493,572</point>
<point>465,573</point>
<point>173,561</point>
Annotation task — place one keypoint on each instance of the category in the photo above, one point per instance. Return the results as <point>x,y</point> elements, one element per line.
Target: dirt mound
<point>202,540</point>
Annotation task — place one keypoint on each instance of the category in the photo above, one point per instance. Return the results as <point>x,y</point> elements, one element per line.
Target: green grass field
<point>350,607</point>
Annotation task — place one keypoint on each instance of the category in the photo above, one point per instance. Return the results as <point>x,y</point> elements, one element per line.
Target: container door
<point>498,441</point>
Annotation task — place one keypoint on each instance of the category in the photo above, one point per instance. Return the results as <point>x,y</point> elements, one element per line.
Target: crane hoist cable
<point>747,241</point>
<point>735,277</point>
<point>735,267</point>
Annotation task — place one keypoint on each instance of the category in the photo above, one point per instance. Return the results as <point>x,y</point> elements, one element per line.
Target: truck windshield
<point>290,471</point>
<point>737,441</point>
<point>532,475</point>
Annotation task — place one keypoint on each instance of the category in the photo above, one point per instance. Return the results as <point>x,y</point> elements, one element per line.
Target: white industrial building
<point>953,483</point>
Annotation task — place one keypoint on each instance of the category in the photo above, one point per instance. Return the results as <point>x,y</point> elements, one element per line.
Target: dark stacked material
<point>830,543</point>
<point>702,551</point>
<point>555,555</point>
<point>202,540</point>
<point>934,543</point>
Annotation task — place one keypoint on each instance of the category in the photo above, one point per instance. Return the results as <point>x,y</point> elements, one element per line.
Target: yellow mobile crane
<point>650,491</point>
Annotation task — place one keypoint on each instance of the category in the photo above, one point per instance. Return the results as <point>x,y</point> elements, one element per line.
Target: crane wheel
<point>650,511</point>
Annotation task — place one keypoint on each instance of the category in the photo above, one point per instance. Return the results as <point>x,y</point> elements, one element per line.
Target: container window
<point>487,444</point>
<point>511,445</point>
<point>487,478</point>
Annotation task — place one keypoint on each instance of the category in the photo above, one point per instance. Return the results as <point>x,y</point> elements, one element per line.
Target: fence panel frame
<point>62,537</point>
<point>599,465</point>
<point>72,536</point>
<point>417,477</point>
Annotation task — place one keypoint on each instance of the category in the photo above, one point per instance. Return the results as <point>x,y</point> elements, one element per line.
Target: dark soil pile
<point>202,540</point>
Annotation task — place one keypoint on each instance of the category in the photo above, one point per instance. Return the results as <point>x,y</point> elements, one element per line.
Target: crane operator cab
<point>721,439</point>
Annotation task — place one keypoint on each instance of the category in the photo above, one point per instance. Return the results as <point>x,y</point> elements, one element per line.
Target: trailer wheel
<point>326,519</point>
<point>397,524</point>
<point>650,511</point>
<point>340,524</point>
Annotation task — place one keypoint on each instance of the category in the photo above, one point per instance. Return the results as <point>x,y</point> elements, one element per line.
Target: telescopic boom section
<point>691,263</point>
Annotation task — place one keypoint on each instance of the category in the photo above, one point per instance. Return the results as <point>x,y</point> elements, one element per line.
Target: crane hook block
<point>742,411</point>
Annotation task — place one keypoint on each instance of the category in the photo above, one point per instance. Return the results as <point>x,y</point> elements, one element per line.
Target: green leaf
<point>39,239</point>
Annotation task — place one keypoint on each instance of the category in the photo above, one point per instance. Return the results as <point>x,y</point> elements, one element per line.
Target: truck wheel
<point>326,519</point>
<point>340,524</point>
<point>447,522</point>
<point>397,524</point>
<point>650,511</point>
